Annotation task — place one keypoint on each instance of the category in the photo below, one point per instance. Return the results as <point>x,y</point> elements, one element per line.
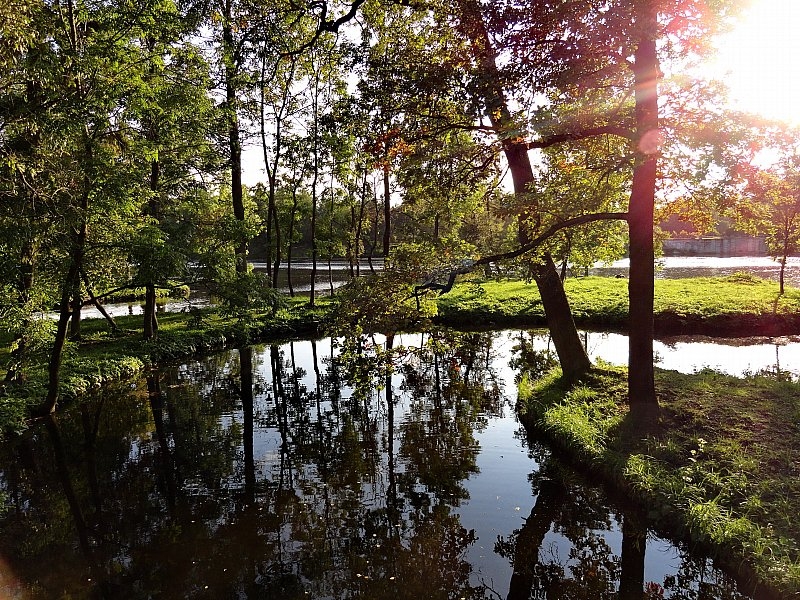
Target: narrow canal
<point>314,469</point>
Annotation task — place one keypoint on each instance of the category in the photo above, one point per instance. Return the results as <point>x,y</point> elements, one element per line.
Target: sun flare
<point>760,60</point>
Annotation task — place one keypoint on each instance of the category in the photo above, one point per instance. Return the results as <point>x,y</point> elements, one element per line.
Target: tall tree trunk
<point>57,351</point>
<point>152,209</point>
<point>572,356</point>
<point>150,310</point>
<point>314,246</point>
<point>234,134</point>
<point>272,166</point>
<point>150,318</point>
<point>374,237</point>
<point>265,152</point>
<point>387,212</point>
<point>351,238</point>
<point>289,235</point>
<point>276,264</point>
<point>360,225</point>
<point>314,179</point>
<point>330,235</point>
<point>77,307</point>
<point>641,376</point>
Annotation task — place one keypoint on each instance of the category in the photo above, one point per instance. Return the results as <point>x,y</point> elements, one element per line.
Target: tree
<point>175,119</point>
<point>323,70</point>
<point>92,59</point>
<point>572,355</point>
<point>80,155</point>
<point>233,32</point>
<point>769,205</point>
<point>581,70</point>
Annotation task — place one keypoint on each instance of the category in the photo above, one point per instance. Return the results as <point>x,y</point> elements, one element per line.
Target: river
<point>677,267</point>
<point>311,469</point>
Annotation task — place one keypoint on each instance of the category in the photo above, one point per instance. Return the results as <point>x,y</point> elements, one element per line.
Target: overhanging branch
<point>550,232</point>
<point>468,266</point>
<point>582,134</point>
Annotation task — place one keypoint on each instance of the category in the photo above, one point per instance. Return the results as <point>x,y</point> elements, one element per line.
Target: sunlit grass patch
<point>603,301</point>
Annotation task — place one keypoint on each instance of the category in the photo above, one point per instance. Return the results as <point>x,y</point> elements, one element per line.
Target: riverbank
<point>733,306</point>
<point>736,305</point>
<point>103,356</point>
<point>721,470</point>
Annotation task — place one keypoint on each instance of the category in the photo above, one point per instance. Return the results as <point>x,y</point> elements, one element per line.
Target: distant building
<point>740,245</point>
<point>685,240</point>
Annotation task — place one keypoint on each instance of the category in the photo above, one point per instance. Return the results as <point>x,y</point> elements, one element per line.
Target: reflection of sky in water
<point>690,357</point>
<point>503,497</point>
<point>732,357</point>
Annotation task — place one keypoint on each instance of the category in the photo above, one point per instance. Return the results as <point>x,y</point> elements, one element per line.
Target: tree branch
<point>582,135</point>
<point>468,266</point>
<point>550,232</point>
<point>325,25</point>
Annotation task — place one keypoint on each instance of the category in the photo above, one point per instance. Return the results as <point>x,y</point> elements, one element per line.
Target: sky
<point>760,60</point>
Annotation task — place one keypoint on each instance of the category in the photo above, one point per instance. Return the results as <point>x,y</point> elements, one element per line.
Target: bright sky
<point>760,60</point>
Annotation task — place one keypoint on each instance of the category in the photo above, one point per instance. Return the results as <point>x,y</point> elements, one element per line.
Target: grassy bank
<point>722,469</point>
<point>736,305</point>
<point>102,356</point>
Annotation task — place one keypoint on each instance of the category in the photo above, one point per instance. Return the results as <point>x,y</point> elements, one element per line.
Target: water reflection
<point>775,357</point>
<point>380,468</point>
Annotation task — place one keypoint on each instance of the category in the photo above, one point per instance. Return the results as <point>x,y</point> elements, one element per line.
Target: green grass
<point>722,469</point>
<point>740,303</point>
<point>102,356</point>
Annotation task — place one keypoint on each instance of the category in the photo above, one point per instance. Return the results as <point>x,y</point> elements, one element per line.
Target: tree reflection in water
<point>323,469</point>
<point>577,517</point>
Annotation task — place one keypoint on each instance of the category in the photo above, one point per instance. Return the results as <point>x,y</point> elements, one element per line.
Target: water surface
<point>317,469</point>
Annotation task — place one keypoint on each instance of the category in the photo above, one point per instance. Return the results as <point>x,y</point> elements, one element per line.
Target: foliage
<point>769,205</point>
<point>244,293</point>
<point>376,304</point>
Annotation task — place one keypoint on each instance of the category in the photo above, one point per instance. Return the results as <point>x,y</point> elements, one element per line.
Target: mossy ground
<point>722,468</point>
